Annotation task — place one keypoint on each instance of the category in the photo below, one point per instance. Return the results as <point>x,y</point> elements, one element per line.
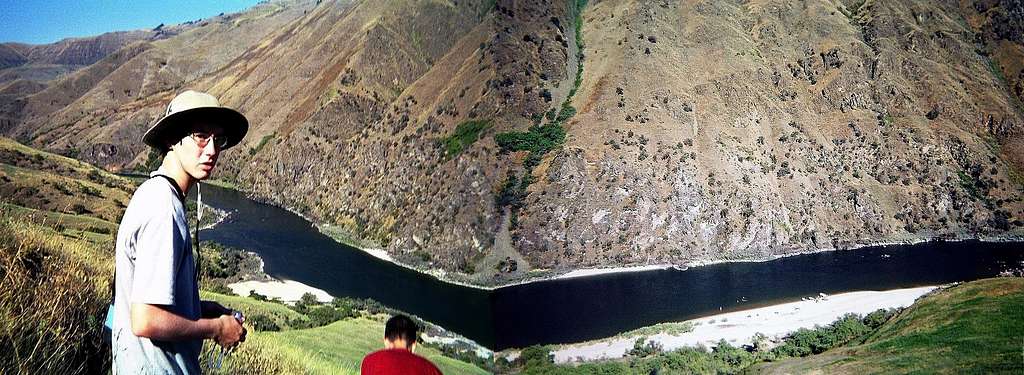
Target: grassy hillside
<point>58,218</point>
<point>977,327</point>
<point>332,349</point>
<point>52,295</point>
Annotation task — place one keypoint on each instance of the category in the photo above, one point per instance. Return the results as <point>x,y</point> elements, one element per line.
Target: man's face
<point>198,151</point>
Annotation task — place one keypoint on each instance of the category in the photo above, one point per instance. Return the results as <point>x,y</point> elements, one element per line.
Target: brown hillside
<point>704,131</point>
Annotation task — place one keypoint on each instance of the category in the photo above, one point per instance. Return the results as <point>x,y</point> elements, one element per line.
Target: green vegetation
<point>540,139</point>
<point>513,195</point>
<point>49,271</point>
<point>465,134</point>
<point>339,348</point>
<point>153,160</point>
<point>672,328</point>
<point>580,4</point>
<point>263,142</point>
<point>970,328</point>
<point>314,337</point>
<point>566,113</point>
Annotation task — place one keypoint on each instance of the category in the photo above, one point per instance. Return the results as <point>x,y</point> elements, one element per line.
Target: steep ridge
<point>715,131</point>
<point>39,62</point>
<point>91,112</point>
<point>462,136</point>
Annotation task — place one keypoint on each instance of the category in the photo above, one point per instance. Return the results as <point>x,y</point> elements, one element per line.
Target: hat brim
<point>173,127</point>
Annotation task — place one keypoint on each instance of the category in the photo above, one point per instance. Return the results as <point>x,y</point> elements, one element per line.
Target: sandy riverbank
<point>739,327</point>
<point>286,290</point>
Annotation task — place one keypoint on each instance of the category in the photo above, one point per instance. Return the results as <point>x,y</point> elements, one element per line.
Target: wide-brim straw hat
<point>191,107</point>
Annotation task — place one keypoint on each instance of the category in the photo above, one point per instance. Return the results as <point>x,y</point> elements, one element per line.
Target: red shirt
<point>397,362</point>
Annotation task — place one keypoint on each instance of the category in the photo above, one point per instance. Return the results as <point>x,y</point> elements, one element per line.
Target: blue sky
<point>39,22</point>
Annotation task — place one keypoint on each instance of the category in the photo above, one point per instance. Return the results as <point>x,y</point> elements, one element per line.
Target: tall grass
<point>51,306</point>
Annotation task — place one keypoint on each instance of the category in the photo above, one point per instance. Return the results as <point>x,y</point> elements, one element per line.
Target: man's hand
<point>158,323</point>
<point>230,332</point>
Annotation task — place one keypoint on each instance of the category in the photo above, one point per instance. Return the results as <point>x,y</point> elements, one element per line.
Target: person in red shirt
<point>397,358</point>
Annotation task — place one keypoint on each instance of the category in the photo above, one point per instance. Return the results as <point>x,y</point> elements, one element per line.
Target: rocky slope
<point>464,136</point>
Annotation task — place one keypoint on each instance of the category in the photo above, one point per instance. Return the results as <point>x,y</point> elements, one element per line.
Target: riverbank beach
<point>739,327</point>
<point>287,291</point>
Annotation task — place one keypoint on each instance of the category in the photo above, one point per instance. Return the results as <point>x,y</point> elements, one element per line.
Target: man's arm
<point>156,323</point>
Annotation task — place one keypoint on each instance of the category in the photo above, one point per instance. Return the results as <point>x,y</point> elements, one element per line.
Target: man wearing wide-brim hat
<point>159,323</point>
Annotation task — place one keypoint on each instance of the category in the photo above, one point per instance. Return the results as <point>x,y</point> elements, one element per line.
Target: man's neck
<point>172,168</point>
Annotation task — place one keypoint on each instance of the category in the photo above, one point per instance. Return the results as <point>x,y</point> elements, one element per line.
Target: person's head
<point>193,132</point>
<point>400,332</point>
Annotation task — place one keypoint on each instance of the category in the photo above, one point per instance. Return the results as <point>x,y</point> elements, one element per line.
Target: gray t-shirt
<point>154,266</point>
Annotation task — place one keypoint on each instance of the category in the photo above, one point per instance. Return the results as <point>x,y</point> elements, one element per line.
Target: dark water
<point>572,310</point>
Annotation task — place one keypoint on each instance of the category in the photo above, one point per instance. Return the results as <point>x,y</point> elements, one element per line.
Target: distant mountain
<point>484,139</point>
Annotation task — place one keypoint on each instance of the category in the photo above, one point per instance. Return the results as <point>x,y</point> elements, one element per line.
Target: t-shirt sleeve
<point>157,258</point>
<point>369,365</point>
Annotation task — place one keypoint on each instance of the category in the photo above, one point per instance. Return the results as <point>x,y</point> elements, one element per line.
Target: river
<point>586,308</point>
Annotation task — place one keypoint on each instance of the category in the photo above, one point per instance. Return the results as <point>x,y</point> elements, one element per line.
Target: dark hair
<point>401,327</point>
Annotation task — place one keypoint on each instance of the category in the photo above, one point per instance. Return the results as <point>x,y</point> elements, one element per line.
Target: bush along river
<point>586,308</point>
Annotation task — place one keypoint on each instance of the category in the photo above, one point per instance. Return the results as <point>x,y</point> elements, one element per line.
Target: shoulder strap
<point>174,184</point>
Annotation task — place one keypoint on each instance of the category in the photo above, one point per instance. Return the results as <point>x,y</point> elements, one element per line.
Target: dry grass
<point>51,304</point>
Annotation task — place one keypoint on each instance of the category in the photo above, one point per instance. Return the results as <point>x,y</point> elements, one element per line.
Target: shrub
<point>566,113</point>
<point>643,348</point>
<point>257,296</point>
<point>89,190</point>
<point>805,341</point>
<point>305,302</point>
<point>465,134</point>
<point>733,356</point>
<point>513,192</point>
<point>79,209</point>
<point>100,230</point>
<point>541,139</point>
<point>261,322</point>
<point>263,142</point>
<point>535,356</point>
<point>219,261</point>
<point>325,315</point>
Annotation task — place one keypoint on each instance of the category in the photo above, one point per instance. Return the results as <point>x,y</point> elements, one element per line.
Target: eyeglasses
<point>203,138</point>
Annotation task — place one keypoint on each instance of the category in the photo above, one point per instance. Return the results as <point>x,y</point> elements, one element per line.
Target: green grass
<point>52,183</point>
<point>68,221</point>
<point>277,312</point>
<point>222,183</point>
<point>672,328</point>
<point>339,348</point>
<point>51,298</point>
<point>465,135</point>
<point>263,142</point>
<point>976,327</point>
